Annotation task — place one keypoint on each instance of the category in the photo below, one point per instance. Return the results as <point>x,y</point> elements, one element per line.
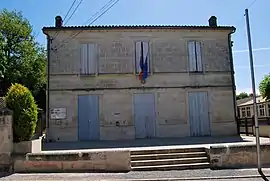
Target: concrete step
<point>171,167</point>
<point>169,161</point>
<point>167,156</point>
<point>167,150</point>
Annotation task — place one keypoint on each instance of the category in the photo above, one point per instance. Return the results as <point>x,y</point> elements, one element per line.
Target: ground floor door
<point>198,112</point>
<point>88,119</point>
<point>144,115</point>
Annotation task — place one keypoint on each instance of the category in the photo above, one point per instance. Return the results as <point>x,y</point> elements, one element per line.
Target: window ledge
<point>149,73</point>
<point>196,72</point>
<point>88,75</point>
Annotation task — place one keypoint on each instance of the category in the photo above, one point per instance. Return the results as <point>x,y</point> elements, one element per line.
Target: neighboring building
<point>245,107</point>
<point>95,91</point>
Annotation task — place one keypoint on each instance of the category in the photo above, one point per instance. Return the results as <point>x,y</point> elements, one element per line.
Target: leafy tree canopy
<point>264,87</point>
<point>22,60</point>
<point>242,95</point>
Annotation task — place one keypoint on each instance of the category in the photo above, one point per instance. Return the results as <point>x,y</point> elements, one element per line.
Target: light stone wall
<point>171,113</point>
<point>83,161</point>
<point>6,138</point>
<point>168,50</point>
<point>180,80</point>
<point>116,80</point>
<point>237,156</point>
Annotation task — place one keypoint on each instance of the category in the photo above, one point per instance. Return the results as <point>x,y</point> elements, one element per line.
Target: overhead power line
<point>69,10</point>
<point>251,4</point>
<point>56,34</point>
<point>74,11</point>
<point>96,14</point>
<point>241,19</point>
<point>94,20</point>
<point>36,35</point>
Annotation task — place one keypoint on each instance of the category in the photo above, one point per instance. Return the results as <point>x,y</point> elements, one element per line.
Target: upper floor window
<point>248,111</point>
<point>261,110</point>
<point>195,56</point>
<point>88,58</point>
<point>243,112</point>
<point>142,57</point>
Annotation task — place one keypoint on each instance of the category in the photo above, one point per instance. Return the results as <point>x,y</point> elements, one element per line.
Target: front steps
<point>169,159</point>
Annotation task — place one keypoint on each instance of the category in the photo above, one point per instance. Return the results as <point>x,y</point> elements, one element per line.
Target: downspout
<point>232,73</point>
<point>48,85</point>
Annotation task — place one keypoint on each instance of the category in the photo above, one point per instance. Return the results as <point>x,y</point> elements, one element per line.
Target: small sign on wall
<point>58,113</point>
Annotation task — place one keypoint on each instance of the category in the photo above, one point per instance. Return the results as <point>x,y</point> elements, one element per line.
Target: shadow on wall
<point>41,124</point>
<point>140,143</point>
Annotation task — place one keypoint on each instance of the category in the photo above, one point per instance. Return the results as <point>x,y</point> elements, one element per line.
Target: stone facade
<point>6,139</point>
<point>116,81</point>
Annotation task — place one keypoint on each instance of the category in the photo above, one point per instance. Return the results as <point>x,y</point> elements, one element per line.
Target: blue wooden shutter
<point>199,56</point>
<point>192,56</point>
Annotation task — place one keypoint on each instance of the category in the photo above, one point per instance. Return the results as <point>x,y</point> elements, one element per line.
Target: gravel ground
<point>140,175</point>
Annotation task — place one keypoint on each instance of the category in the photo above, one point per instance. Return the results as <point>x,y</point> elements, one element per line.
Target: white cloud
<point>255,66</point>
<point>254,50</point>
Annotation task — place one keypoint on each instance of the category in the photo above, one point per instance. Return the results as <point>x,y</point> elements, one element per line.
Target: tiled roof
<point>249,100</point>
<point>242,101</point>
<point>100,27</point>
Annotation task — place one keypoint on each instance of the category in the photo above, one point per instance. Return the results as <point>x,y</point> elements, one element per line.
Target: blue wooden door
<point>144,115</point>
<point>198,109</point>
<point>88,120</point>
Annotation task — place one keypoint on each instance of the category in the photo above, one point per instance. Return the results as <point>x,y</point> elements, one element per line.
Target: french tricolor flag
<point>143,65</point>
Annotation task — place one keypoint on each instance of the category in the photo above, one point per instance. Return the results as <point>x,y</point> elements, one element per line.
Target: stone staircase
<point>169,159</point>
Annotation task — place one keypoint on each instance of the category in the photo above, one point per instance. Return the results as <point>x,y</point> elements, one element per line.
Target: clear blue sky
<point>184,12</point>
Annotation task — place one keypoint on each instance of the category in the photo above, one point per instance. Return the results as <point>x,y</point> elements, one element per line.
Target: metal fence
<point>2,102</point>
<point>246,125</point>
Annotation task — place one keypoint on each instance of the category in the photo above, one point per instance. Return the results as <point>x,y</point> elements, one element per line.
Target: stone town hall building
<point>131,82</point>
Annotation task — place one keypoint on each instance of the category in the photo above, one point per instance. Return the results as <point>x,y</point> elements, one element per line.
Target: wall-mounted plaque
<point>58,113</point>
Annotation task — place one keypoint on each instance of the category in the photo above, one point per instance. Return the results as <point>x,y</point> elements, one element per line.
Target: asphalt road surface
<point>200,174</point>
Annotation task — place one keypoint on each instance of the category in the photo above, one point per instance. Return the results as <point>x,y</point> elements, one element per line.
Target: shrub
<point>21,101</point>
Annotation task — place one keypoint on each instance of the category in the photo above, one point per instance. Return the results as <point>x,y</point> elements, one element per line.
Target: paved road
<point>244,179</point>
<point>173,175</point>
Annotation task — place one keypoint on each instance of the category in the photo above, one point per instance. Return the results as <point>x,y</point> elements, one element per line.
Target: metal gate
<point>144,115</point>
<point>88,120</point>
<point>198,114</point>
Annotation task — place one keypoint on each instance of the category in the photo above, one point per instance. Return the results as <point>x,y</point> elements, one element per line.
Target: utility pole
<point>255,109</point>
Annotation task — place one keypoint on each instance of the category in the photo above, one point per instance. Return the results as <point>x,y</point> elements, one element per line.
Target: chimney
<point>213,21</point>
<point>58,22</point>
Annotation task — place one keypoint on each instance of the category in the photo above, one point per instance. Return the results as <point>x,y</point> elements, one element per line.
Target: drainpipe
<point>48,85</point>
<point>232,73</point>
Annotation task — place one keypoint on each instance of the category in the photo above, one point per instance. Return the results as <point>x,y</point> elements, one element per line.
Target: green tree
<point>242,95</point>
<point>22,60</point>
<point>20,100</point>
<point>264,87</point>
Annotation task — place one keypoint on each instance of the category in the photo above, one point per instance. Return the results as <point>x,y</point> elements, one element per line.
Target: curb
<point>194,178</point>
<point>167,179</point>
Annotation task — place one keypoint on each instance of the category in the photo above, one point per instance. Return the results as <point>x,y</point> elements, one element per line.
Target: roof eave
<point>229,28</point>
